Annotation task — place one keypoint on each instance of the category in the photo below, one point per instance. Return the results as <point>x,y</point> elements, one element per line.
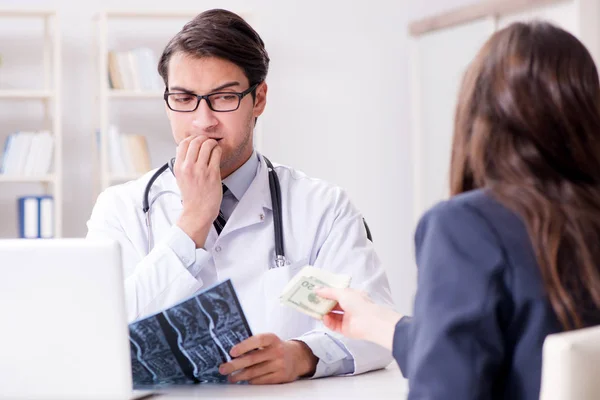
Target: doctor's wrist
<point>198,232</point>
<point>305,360</point>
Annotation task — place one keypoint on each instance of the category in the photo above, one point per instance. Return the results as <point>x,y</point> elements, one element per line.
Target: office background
<point>338,104</point>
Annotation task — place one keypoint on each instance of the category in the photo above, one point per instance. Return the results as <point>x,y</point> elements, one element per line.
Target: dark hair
<point>222,34</point>
<point>527,128</point>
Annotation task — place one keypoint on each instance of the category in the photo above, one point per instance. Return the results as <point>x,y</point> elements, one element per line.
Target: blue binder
<point>36,217</point>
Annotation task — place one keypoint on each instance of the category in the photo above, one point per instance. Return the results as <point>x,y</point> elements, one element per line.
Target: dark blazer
<point>481,313</point>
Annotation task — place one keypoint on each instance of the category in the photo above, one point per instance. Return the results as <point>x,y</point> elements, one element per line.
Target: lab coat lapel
<point>251,208</point>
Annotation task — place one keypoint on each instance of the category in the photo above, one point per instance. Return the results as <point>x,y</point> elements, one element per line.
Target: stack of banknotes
<point>300,294</point>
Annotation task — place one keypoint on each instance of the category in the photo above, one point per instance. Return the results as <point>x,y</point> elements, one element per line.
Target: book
<point>117,163</point>
<point>139,154</point>
<point>5,156</point>
<point>27,154</point>
<point>133,70</point>
<point>114,74</point>
<point>187,343</point>
<point>29,217</point>
<point>128,153</point>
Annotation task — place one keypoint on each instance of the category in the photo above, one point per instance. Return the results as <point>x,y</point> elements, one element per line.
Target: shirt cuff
<point>185,249</point>
<point>334,358</point>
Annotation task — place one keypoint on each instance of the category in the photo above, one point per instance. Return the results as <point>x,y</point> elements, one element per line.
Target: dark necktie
<point>220,222</point>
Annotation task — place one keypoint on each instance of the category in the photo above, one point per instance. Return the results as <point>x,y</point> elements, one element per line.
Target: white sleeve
<point>334,358</point>
<point>153,281</point>
<point>346,250</point>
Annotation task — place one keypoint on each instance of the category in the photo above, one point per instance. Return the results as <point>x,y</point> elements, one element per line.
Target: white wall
<point>338,106</point>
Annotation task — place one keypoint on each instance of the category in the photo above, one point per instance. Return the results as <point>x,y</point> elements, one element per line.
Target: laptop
<point>64,332</point>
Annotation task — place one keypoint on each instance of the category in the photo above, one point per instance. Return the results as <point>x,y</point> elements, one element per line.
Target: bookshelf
<point>122,98</point>
<point>50,97</point>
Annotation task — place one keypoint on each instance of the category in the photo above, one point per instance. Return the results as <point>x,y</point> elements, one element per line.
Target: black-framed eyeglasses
<point>219,101</point>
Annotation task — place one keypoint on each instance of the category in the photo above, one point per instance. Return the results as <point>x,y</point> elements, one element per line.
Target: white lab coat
<point>320,227</point>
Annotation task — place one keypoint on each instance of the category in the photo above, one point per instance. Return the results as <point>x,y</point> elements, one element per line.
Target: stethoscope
<point>275,200</point>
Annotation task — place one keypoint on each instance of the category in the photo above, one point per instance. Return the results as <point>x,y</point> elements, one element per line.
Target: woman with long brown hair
<point>514,254</point>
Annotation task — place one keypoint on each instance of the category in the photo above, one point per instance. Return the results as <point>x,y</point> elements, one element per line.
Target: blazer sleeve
<point>401,343</point>
<point>454,342</point>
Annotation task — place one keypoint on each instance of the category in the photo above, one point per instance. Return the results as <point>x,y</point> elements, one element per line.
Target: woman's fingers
<point>333,322</point>
<point>329,293</point>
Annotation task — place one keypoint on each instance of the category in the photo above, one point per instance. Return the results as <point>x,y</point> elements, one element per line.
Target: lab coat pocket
<point>281,320</point>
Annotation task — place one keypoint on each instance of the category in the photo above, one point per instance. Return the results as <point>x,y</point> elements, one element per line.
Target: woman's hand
<point>357,317</point>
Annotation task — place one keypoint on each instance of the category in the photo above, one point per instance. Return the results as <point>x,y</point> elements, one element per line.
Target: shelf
<point>124,178</point>
<point>8,12</point>
<point>130,94</point>
<point>150,14</point>
<point>26,179</point>
<point>25,94</point>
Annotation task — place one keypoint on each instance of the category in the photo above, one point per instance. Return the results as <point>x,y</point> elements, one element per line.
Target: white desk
<point>383,384</point>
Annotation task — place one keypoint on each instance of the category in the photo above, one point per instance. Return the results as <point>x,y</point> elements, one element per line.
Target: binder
<point>29,213</point>
<point>46,216</point>
<point>36,217</point>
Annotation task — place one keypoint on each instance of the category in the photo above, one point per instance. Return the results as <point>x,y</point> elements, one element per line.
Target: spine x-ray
<point>186,343</point>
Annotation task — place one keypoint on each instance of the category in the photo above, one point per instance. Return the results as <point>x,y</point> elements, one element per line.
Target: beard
<point>233,159</point>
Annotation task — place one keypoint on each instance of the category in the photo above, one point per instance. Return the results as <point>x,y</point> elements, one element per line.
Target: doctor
<point>214,71</point>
